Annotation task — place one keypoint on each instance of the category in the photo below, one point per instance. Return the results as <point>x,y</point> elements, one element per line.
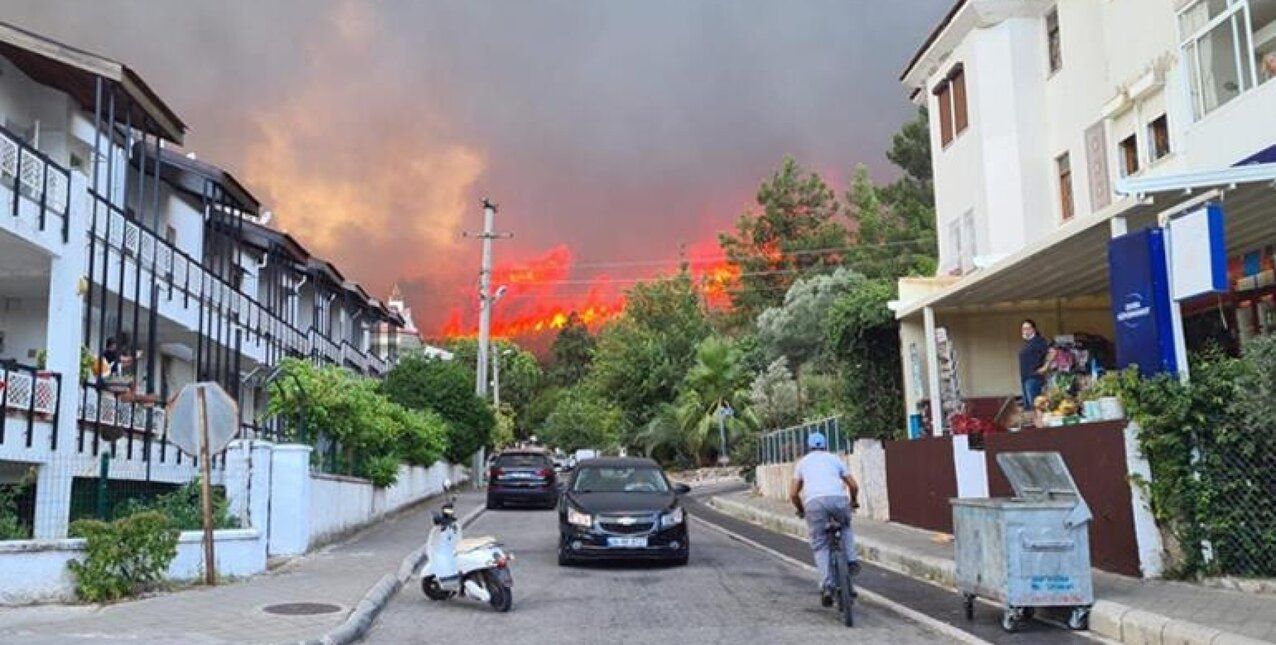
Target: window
<point>1224,57</point>
<point>1064,167</point>
<point>954,246</point>
<point>1053,45</point>
<point>951,96</point>
<point>1158,138</point>
<point>1129,149</point>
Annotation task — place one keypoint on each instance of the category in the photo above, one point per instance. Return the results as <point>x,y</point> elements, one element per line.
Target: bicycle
<point>844,593</point>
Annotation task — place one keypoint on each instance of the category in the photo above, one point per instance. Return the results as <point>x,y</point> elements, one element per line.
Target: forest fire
<point>540,298</point>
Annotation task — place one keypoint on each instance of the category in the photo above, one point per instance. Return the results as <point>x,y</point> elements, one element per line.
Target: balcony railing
<point>325,348</point>
<point>32,173</point>
<point>377,364</point>
<point>182,276</point>
<point>352,355</point>
<point>31,392</point>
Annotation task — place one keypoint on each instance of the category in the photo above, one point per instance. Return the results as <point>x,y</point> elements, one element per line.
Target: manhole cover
<point>302,609</point>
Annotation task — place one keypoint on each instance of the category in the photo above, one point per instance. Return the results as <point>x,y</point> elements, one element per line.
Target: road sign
<point>201,421</point>
<point>184,418</point>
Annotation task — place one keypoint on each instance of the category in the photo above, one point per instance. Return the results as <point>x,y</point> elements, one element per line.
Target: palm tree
<point>689,426</point>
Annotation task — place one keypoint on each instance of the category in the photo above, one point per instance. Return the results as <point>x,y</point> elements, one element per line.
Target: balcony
<point>46,186</point>
<point>324,348</point>
<point>180,278</point>
<point>352,355</point>
<point>31,394</point>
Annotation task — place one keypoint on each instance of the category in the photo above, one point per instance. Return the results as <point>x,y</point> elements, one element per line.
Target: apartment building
<point>127,270</point>
<point>1058,125</point>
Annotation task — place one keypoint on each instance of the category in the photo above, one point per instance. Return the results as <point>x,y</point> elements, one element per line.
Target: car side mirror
<point>681,489</point>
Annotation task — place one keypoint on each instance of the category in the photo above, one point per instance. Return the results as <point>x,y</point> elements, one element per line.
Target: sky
<point>616,136</point>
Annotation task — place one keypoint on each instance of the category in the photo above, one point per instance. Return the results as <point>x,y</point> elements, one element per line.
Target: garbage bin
<point>1029,551</point>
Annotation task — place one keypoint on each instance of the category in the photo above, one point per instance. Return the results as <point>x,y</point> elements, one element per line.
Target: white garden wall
<point>867,463</point>
<point>340,504</point>
<point>285,508</point>
<point>36,570</point>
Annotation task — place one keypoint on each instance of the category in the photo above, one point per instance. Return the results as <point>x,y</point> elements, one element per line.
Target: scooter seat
<point>471,544</point>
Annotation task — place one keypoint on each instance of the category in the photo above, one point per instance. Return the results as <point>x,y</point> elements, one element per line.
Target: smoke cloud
<point>618,131</point>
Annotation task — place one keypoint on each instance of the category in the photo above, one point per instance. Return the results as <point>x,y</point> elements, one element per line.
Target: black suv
<point>622,508</point>
<point>524,477</point>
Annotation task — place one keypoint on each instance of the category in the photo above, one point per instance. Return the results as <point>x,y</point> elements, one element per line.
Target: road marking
<point>864,594</point>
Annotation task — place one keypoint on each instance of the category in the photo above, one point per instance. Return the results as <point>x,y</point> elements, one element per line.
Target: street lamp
<point>724,411</point>
<point>496,376</point>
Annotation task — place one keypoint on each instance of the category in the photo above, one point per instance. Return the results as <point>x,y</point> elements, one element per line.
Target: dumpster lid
<point>1043,475</point>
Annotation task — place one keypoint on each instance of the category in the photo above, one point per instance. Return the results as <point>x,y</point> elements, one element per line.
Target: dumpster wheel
<point>1079,618</point>
<point>1012,619</point>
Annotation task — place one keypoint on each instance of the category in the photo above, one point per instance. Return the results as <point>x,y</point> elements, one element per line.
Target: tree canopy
<point>446,388</point>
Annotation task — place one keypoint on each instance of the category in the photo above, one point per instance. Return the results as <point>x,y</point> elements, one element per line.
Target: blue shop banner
<point>1141,302</point>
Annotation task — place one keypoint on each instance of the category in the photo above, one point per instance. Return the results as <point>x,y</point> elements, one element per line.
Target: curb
<point>360,619</point>
<point>1111,620</point>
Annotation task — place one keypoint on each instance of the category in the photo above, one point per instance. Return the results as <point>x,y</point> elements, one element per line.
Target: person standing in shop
<point>1032,362</point>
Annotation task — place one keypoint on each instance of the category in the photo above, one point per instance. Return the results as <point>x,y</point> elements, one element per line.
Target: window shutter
<point>943,94</point>
<point>958,85</point>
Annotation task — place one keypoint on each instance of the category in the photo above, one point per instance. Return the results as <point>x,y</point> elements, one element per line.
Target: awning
<point>1072,261</point>
<point>1066,263</point>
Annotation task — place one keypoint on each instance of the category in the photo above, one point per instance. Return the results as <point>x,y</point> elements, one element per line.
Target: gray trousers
<point>818,513</point>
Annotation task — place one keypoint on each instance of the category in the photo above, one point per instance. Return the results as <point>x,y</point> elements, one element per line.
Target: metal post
<point>104,468</point>
<point>206,491</point>
<point>932,373</point>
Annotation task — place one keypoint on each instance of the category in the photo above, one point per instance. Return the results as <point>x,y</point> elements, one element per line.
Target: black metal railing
<point>32,392</point>
<point>180,275</point>
<point>44,181</point>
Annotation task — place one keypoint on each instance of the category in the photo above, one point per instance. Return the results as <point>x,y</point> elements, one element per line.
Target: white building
<point>1056,125</point>
<point>401,336</point>
<point>107,235</point>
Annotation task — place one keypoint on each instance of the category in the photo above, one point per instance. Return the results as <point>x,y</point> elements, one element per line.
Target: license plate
<point>627,542</point>
<point>522,475</point>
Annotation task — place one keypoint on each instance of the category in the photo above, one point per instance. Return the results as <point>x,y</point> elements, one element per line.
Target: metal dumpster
<point>1029,551</point>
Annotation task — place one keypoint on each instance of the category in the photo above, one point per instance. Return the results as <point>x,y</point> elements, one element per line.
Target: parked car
<point>522,477</point>
<point>622,508</point>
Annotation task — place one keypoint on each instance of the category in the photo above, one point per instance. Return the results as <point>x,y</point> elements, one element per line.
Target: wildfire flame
<point>539,297</point>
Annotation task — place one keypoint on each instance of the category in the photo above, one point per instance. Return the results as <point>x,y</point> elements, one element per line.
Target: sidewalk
<point>234,612</point>
<point>1127,609</point>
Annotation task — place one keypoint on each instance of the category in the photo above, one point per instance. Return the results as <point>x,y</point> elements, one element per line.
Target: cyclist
<point>819,491</point>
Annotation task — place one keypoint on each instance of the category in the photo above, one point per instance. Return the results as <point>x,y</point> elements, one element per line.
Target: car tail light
<point>545,472</point>
<point>496,472</point>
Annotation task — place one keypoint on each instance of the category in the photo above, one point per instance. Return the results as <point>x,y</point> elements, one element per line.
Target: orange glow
<point>540,295</point>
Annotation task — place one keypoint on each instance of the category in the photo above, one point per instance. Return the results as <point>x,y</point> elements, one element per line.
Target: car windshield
<point>602,479</point>
<point>523,461</point>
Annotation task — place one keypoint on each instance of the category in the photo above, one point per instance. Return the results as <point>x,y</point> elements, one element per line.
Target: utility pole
<point>485,309</point>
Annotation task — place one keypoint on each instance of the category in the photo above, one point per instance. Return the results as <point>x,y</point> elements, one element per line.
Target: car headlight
<point>672,518</point>
<point>577,518</point>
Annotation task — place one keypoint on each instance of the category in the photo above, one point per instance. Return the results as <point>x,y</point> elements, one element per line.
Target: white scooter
<point>478,568</point>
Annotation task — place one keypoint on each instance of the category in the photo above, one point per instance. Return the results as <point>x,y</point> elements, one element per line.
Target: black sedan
<point>622,508</point>
<point>522,477</point>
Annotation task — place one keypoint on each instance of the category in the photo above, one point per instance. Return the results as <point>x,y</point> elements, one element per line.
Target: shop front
<point>1096,300</point>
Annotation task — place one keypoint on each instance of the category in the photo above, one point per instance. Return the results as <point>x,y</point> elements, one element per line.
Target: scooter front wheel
<point>430,587</point>
<point>502,596</point>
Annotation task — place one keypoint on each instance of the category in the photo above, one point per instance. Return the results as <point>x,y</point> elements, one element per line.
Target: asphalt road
<point>729,593</point>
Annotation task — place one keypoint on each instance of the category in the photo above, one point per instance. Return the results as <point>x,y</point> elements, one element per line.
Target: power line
<point>722,257</point>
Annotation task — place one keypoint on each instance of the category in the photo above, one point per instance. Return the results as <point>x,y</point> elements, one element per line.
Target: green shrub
<point>381,470</point>
<point>184,508</point>
<point>123,558</point>
<point>1210,446</point>
<point>11,525</point>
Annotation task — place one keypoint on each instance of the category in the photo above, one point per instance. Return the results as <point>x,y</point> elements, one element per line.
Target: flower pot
<point>110,433</point>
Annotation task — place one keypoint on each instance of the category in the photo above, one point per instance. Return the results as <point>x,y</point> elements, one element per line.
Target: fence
<point>1236,516</point>
<point>33,174</point>
<point>789,444</point>
<point>31,392</point>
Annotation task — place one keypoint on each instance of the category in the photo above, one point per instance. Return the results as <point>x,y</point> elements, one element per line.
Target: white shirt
<point>821,474</point>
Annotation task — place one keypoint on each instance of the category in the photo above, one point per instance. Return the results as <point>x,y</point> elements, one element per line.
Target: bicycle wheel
<point>842,574</point>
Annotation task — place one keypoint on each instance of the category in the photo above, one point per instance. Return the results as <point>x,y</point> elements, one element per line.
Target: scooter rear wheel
<point>502,596</point>
<point>430,587</point>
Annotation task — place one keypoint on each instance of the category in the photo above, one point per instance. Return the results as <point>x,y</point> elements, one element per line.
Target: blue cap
<point>816,441</point>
